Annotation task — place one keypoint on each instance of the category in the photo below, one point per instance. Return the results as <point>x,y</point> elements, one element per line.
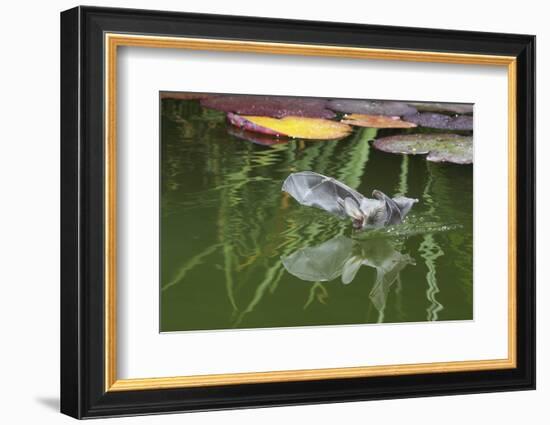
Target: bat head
<point>358,218</point>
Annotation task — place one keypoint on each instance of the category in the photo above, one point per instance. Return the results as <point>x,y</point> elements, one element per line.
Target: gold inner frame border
<point>113,40</point>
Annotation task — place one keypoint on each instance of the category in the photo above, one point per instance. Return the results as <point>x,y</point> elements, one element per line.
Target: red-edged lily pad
<point>440,121</point>
<point>257,138</point>
<point>371,107</point>
<point>295,127</point>
<point>439,147</point>
<point>242,122</point>
<point>183,95</point>
<point>376,121</point>
<point>270,106</point>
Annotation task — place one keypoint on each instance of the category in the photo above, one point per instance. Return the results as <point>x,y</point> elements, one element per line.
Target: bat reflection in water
<point>315,190</point>
<point>342,256</point>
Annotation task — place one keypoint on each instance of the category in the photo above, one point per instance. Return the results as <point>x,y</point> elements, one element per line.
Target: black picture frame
<point>83,392</point>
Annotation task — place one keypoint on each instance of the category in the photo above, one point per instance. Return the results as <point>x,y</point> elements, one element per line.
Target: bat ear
<point>352,209</point>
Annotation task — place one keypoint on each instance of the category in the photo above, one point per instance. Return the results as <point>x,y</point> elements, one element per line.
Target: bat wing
<point>321,263</point>
<point>386,274</point>
<point>393,213</point>
<point>315,190</point>
<point>350,269</point>
<point>405,204</point>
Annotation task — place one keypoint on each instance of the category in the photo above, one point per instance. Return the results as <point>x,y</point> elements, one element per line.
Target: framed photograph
<point>261,212</point>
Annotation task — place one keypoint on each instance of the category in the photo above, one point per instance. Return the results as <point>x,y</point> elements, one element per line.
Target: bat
<point>342,257</point>
<point>316,190</point>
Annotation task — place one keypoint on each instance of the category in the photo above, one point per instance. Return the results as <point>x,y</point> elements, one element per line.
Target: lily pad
<point>296,127</point>
<point>242,122</point>
<point>456,108</point>
<point>439,147</point>
<point>270,106</point>
<point>371,107</point>
<point>183,95</point>
<point>440,121</point>
<point>376,121</point>
<point>257,138</point>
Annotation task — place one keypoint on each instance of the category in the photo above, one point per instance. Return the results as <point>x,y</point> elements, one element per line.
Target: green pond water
<point>227,232</point>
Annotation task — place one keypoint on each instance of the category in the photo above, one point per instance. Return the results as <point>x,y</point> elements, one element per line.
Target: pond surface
<point>236,252</point>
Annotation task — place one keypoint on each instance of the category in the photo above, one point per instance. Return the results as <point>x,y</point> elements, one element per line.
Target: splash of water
<point>410,227</point>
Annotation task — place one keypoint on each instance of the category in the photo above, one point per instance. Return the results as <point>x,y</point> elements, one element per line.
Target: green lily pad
<point>439,147</point>
<point>376,121</point>
<point>455,108</point>
<point>440,121</point>
<point>370,107</point>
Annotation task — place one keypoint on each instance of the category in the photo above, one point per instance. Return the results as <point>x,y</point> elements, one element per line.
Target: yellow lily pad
<point>376,121</point>
<point>302,127</point>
